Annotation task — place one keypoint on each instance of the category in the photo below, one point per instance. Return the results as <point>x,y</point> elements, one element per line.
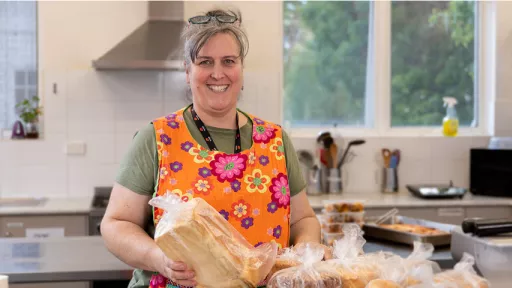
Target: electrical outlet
<point>75,148</point>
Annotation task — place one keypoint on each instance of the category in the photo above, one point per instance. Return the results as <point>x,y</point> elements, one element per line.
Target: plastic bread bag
<point>353,267</point>
<point>463,275</point>
<point>195,233</point>
<point>414,271</point>
<point>305,274</point>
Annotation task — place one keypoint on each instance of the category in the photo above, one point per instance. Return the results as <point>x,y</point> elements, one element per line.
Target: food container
<point>329,238</point>
<point>331,227</point>
<point>342,206</point>
<point>347,217</point>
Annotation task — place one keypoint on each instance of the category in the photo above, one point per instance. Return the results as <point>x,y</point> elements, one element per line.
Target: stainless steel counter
<point>27,260</point>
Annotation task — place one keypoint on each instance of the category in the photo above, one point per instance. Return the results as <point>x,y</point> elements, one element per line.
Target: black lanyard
<point>207,137</point>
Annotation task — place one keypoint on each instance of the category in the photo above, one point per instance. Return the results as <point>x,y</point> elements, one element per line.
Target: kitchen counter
<point>47,206</point>
<point>27,260</point>
<point>406,200</point>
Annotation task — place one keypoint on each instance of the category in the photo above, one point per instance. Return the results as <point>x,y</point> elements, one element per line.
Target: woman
<point>246,168</point>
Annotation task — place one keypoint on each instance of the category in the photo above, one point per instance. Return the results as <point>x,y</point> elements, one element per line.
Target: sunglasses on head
<point>208,18</point>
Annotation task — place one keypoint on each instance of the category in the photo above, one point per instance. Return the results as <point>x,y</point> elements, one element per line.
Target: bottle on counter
<point>451,120</point>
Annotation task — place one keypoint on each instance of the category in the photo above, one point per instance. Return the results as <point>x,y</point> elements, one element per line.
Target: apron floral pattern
<point>250,189</point>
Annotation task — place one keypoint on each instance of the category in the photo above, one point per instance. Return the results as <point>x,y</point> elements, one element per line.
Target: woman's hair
<point>195,36</point>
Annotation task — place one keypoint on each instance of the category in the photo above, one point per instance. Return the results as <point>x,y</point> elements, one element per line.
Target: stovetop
<point>100,200</point>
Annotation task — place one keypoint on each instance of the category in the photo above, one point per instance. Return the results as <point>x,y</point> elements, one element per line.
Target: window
<point>18,57</point>
<point>381,65</point>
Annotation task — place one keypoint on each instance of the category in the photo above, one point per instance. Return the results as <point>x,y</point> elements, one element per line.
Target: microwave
<point>491,172</point>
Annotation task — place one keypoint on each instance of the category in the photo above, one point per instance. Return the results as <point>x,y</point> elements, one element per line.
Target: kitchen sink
<point>22,202</point>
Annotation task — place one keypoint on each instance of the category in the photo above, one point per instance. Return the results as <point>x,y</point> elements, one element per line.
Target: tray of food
<point>407,230</point>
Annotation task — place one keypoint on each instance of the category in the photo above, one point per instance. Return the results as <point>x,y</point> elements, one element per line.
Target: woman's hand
<point>301,246</point>
<point>177,271</point>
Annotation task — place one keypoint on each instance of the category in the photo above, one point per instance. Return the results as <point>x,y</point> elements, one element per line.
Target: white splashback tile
<point>131,116</point>
<point>122,86</point>
<point>54,97</point>
<point>85,175</point>
<point>123,142</point>
<point>90,117</point>
<point>100,148</point>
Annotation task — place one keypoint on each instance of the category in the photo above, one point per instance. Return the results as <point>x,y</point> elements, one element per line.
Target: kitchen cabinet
<point>43,226</point>
<point>489,212</point>
<point>52,285</point>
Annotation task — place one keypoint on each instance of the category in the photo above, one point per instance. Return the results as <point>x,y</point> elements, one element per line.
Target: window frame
<point>378,88</point>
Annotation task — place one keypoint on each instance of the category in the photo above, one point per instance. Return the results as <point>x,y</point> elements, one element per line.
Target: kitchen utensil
<point>372,230</point>
<point>307,158</point>
<point>333,149</point>
<point>388,215</point>
<point>350,144</point>
<point>334,180</point>
<point>436,191</point>
<point>386,154</point>
<point>389,180</point>
<point>486,227</point>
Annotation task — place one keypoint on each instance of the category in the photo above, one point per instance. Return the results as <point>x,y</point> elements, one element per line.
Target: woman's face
<point>216,77</point>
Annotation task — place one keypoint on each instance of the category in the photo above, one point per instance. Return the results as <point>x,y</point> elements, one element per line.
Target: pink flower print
<point>285,218</point>
<point>227,190</point>
<point>157,280</point>
<point>275,171</point>
<point>176,166</point>
<point>165,139</point>
<point>255,212</point>
<point>262,134</point>
<point>165,153</point>
<point>225,214</point>
<point>179,118</point>
<point>228,167</point>
<point>263,146</point>
<point>280,190</point>
<point>247,222</point>
<point>173,124</point>
<point>240,209</point>
<point>270,231</point>
<point>272,207</point>
<point>173,181</point>
<point>277,232</point>
<point>160,131</point>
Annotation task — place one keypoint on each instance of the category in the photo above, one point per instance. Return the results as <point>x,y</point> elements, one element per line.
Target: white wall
<point>104,109</point>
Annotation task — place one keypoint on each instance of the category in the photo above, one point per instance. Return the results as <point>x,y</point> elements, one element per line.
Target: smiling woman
<point>244,167</point>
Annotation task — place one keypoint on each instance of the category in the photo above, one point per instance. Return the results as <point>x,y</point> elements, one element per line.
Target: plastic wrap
<point>297,270</point>
<point>354,269</point>
<point>195,233</point>
<point>462,276</point>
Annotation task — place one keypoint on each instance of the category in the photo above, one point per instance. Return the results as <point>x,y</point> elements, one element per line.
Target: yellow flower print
<point>278,148</point>
<point>257,182</point>
<point>201,154</point>
<point>240,209</point>
<point>160,148</point>
<point>163,172</point>
<point>202,186</point>
<point>252,158</point>
<point>184,196</point>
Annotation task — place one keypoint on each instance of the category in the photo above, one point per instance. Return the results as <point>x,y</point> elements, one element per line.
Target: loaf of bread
<point>460,280</point>
<point>301,277</point>
<point>199,236</point>
<point>381,283</point>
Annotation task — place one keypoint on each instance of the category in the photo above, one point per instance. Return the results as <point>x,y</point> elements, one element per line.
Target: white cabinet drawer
<point>43,226</point>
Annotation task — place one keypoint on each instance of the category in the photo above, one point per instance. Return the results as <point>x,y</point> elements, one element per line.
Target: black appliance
<point>491,172</point>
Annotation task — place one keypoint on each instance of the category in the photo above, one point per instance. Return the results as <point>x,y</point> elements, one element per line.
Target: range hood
<point>155,45</point>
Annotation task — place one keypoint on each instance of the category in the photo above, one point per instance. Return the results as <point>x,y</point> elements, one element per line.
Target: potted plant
<point>29,112</point>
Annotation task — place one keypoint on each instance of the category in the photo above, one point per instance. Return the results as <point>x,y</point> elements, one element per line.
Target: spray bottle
<point>450,121</point>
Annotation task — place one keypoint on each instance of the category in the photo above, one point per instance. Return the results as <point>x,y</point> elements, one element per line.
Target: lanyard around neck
<point>207,137</point>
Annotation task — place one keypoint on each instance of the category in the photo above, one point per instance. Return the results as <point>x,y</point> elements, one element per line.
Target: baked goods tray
<point>378,232</point>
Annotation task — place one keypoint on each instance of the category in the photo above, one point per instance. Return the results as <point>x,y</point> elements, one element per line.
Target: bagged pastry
<point>414,271</point>
<point>195,233</point>
<point>462,276</point>
<point>354,269</point>
<point>297,270</point>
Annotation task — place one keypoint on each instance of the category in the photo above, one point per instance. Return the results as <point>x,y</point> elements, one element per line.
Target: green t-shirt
<point>139,167</point>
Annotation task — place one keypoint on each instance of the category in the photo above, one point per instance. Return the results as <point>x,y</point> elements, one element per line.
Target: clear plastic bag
<point>297,270</point>
<point>462,276</point>
<point>414,271</point>
<point>195,233</point>
<point>354,269</point>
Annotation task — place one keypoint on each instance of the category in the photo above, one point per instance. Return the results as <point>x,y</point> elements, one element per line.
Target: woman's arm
<point>122,229</point>
<point>304,226</point>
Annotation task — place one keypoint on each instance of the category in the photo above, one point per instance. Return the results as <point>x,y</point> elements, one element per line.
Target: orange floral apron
<point>250,189</point>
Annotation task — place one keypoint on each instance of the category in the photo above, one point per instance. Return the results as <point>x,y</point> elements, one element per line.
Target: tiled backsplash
<point>105,109</point>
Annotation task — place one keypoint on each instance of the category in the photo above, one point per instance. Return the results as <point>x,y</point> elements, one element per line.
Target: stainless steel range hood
<point>155,45</point>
